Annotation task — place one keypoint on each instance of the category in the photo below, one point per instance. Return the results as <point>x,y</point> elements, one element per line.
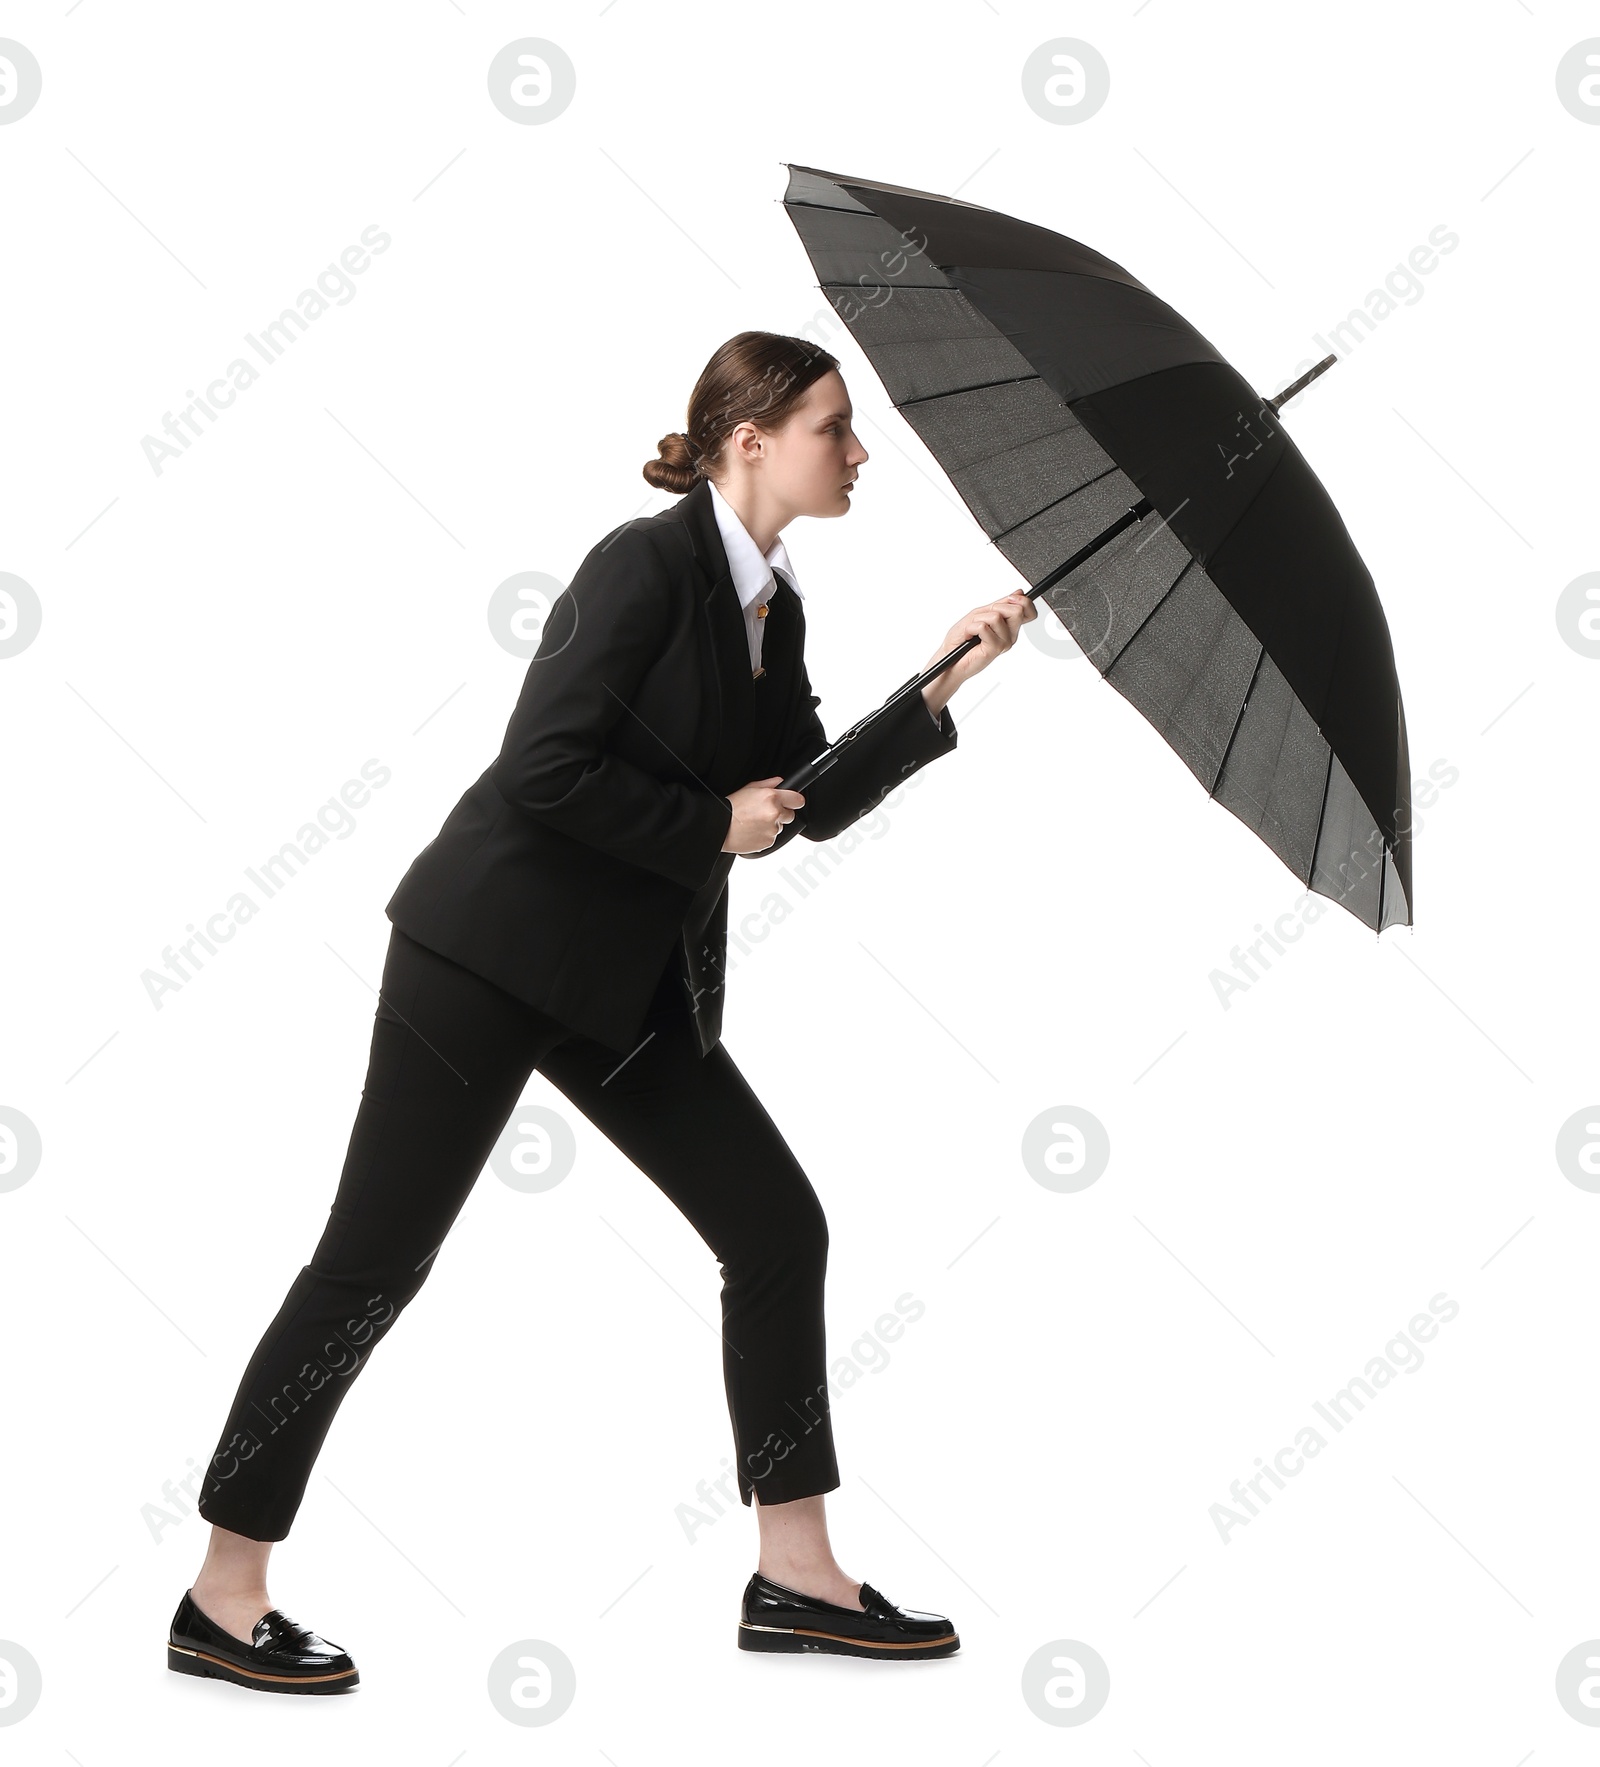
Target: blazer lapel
<point>723,634</point>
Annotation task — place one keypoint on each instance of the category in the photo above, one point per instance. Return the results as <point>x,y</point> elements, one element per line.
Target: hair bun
<point>674,468</point>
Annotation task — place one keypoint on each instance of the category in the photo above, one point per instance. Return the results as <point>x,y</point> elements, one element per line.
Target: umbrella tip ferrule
<point>1300,385</point>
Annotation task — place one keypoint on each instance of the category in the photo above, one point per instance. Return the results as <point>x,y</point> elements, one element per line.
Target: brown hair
<point>755,377</point>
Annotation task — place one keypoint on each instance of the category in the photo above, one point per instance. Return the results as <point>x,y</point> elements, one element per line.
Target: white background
<point>1035,924</point>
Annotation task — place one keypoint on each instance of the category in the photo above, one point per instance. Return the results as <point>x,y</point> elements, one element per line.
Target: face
<point>809,463</point>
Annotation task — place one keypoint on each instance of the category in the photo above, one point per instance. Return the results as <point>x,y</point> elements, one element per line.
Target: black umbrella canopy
<point>1056,392</point>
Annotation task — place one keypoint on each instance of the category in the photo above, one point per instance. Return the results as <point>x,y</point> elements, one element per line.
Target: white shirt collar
<point>752,572</point>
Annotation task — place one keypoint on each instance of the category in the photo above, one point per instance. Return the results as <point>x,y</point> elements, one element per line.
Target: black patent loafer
<point>282,1656</point>
<point>779,1619</point>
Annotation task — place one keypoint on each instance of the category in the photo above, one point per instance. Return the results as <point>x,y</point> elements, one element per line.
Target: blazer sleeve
<point>601,636</point>
<point>885,755</point>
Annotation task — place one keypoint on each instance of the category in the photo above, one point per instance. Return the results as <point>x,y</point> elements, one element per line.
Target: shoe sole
<point>805,1638</point>
<point>197,1662</point>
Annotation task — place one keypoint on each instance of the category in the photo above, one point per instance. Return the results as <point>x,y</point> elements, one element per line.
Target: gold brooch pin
<point>761,610</point>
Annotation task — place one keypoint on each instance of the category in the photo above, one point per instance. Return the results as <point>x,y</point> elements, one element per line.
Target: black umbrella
<point>1067,403</point>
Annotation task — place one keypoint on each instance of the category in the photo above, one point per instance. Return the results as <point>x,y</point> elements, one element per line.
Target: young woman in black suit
<point>571,917</point>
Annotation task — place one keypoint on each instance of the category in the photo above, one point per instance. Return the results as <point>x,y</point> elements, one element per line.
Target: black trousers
<point>450,1056</point>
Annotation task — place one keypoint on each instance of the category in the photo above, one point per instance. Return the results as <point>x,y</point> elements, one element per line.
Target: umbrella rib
<point>1261,651</point>
<point>1316,836</point>
<point>978,386</point>
<point>1001,533</point>
<point>1122,649</point>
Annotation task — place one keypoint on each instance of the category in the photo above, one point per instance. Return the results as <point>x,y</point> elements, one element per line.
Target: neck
<point>763,519</point>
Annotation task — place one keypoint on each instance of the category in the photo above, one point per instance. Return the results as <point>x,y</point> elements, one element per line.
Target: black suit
<point>529,937</point>
<point>592,844</point>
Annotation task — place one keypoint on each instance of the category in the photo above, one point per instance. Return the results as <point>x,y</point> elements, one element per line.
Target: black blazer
<point>592,843</point>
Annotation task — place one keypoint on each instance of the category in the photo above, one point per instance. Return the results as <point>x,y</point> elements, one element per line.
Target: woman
<point>571,917</point>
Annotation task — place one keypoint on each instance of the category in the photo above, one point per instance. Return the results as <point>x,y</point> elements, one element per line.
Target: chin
<point>831,503</point>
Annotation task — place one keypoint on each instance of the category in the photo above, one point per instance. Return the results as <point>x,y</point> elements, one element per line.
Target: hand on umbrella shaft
<point>995,626</point>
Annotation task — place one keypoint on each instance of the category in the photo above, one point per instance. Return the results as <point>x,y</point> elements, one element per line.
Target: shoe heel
<point>184,1663</point>
<point>758,1638</point>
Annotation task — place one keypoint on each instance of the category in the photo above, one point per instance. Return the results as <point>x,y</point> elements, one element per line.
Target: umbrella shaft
<point>1136,512</point>
<point>799,780</point>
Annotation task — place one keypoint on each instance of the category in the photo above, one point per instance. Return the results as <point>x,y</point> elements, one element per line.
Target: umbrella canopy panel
<point>1056,391</point>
